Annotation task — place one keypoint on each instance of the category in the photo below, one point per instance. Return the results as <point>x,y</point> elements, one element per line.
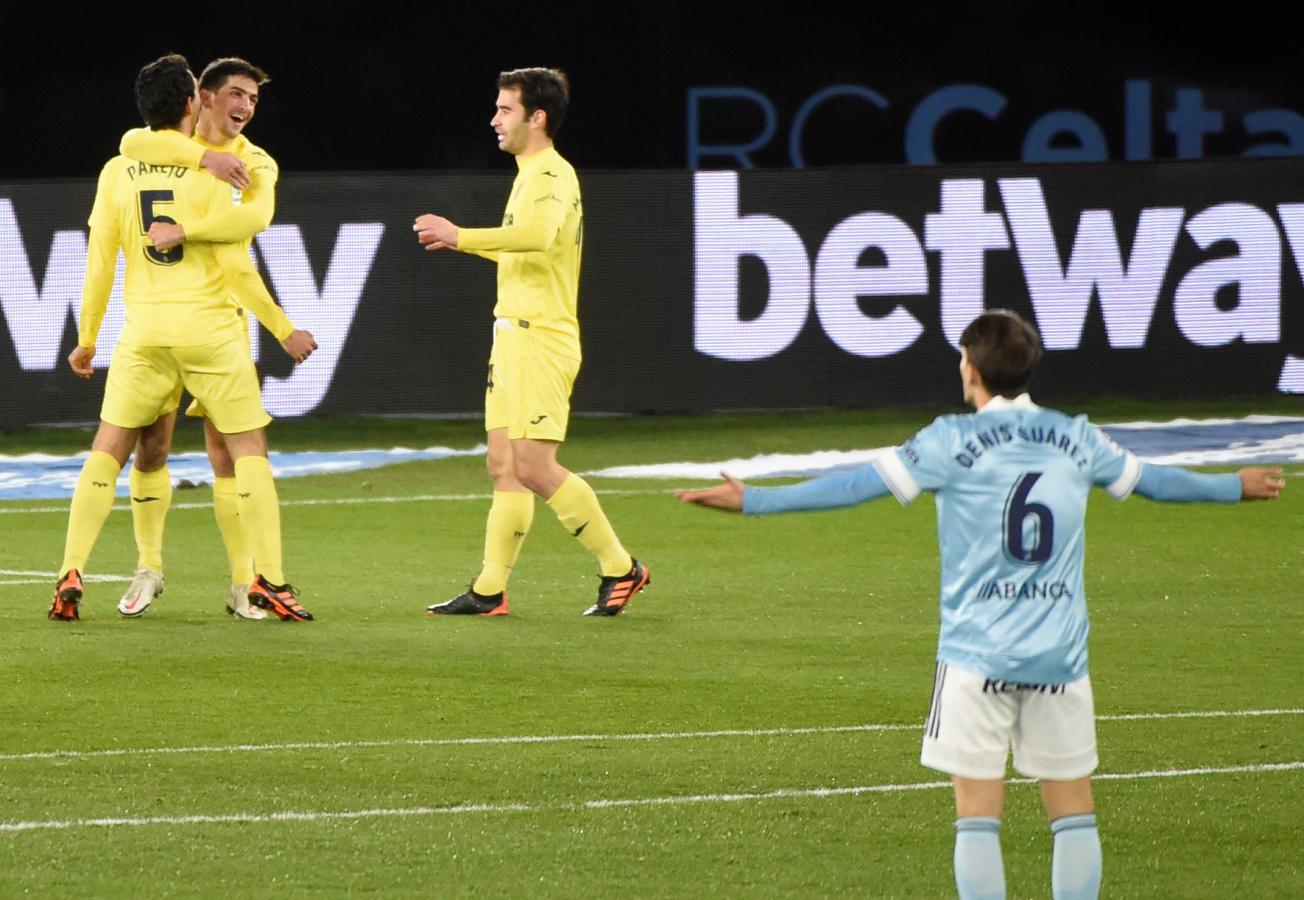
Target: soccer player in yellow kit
<point>181,329</point>
<point>229,93</point>
<point>536,350</point>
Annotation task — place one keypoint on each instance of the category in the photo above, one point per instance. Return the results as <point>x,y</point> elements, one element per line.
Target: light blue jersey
<point>1011,484</point>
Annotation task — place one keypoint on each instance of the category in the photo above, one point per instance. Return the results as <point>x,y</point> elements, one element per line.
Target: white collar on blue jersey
<point>998,403</point>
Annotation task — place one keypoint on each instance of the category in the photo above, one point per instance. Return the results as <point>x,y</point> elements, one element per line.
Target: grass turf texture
<point>805,621</point>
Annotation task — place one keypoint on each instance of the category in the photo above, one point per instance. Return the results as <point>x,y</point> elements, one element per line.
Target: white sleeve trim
<point>1123,487</point>
<point>897,477</point>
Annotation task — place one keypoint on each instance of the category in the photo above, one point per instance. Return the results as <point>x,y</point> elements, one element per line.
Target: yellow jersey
<point>177,297</point>
<point>538,250</point>
<point>249,212</point>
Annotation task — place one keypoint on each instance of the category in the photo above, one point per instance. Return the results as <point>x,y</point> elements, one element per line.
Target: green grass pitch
<point>750,727</point>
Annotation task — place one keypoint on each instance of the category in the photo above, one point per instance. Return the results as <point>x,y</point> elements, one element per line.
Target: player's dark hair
<point>215,74</point>
<point>545,89</point>
<point>162,89</point>
<point>1004,348</point>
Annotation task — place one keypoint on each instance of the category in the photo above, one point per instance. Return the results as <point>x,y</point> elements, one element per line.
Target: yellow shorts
<point>145,383</point>
<point>529,385</point>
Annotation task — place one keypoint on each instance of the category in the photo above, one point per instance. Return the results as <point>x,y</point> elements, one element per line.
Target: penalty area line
<point>586,805</point>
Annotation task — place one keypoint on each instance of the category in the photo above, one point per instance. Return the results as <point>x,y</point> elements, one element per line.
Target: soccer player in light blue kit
<point>1011,482</point>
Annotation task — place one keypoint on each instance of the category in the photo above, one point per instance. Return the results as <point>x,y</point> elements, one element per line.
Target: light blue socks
<point>1075,871</point>
<point>979,872</point>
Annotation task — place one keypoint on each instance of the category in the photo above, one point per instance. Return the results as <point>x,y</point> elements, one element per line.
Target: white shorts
<point>975,720</point>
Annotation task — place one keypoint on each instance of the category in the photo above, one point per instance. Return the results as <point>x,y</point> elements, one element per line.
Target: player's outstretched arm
<point>1261,482</point>
<point>537,223</point>
<point>841,489</point>
<point>727,496</point>
<point>1173,484</point>
<point>435,232</point>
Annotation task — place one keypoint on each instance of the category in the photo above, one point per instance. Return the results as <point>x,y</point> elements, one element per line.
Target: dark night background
<point>386,87</point>
<point>381,89</point>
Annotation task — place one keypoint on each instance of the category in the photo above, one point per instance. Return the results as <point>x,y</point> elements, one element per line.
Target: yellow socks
<point>578,510</point>
<point>259,510</point>
<point>91,502</point>
<point>509,522</point>
<point>238,551</point>
<point>151,495</point>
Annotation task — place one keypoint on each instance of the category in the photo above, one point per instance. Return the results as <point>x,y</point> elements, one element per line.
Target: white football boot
<point>145,586</point>
<point>238,605</point>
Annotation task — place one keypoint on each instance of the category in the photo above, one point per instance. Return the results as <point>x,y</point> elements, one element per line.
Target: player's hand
<point>435,232</point>
<point>1261,482</point>
<point>226,167</point>
<point>166,235</point>
<point>727,496</point>
<point>299,345</point>
<point>80,360</point>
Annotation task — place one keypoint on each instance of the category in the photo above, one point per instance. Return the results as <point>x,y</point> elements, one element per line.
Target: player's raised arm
<point>169,148</point>
<point>241,221</point>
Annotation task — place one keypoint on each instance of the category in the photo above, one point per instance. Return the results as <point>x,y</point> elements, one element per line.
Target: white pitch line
<point>347,501</point>
<point>1199,714</point>
<point>587,805</point>
<point>47,576</point>
<point>785,793</point>
<point>1179,773</point>
<point>572,738</point>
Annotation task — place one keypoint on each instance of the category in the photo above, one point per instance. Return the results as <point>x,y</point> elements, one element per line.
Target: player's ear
<point>205,99</point>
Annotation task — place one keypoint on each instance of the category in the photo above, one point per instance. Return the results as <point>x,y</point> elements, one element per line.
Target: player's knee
<point>499,469</point>
<point>151,455</point>
<point>223,464</point>
<point>531,475</point>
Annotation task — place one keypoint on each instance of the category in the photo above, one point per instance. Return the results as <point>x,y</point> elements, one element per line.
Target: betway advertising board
<point>738,290</point>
